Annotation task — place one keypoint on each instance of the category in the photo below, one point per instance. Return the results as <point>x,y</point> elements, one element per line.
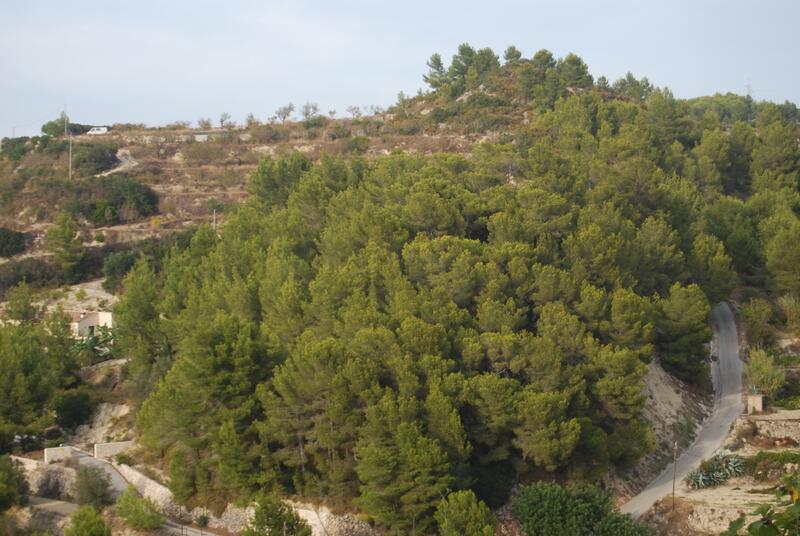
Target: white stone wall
<point>57,454</point>
<point>147,487</point>
<point>107,450</point>
<point>234,519</point>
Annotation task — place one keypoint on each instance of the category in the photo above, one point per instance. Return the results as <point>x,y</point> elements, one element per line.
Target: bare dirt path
<point>726,373</point>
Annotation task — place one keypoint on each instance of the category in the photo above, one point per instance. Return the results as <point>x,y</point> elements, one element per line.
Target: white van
<point>96,131</point>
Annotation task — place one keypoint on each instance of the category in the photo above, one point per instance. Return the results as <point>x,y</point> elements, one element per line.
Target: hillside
<point>495,287</point>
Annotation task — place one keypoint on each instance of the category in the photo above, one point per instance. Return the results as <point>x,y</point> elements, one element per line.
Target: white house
<point>85,323</point>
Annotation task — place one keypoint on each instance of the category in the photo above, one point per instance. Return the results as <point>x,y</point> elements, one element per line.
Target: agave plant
<point>734,466</point>
<point>717,477</point>
<point>696,479</point>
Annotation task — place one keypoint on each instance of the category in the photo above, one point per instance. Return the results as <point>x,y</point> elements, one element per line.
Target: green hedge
<point>11,242</point>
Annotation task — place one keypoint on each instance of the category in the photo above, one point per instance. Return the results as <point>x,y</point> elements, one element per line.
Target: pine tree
<point>63,241</point>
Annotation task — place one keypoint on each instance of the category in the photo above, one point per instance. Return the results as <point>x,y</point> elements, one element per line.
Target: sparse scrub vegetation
<point>92,487</point>
<point>139,512</point>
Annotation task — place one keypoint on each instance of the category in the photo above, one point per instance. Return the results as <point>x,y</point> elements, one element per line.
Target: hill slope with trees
<point>375,332</point>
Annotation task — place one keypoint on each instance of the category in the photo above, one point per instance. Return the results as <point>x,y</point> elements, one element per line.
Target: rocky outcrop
<point>52,481</point>
<point>36,521</point>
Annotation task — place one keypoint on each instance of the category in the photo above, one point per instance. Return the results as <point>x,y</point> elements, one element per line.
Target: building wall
<point>95,319</point>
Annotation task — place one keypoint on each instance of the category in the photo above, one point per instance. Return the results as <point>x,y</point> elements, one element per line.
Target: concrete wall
<point>107,450</point>
<point>57,454</point>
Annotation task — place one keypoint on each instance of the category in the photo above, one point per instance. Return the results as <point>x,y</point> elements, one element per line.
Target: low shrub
<point>139,512</point>
<point>764,464</point>
<point>90,159</point>
<point>11,242</point>
<point>715,471</point>
<point>111,200</point>
<point>748,431</point>
<point>202,153</point>
<point>548,509</point>
<point>86,521</point>
<point>92,487</point>
<point>123,458</point>
<point>359,144</point>
<point>115,268</point>
<point>36,272</point>
<point>73,408</point>
<point>339,131</point>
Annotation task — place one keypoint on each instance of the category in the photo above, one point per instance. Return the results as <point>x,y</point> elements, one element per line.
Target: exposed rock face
<point>668,400</point>
<point>234,519</point>
<point>323,522</point>
<point>348,525</point>
<point>53,481</point>
<point>712,519</point>
<point>102,428</point>
<point>34,520</point>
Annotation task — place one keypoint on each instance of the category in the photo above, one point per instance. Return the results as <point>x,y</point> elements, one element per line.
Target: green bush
<point>36,272</point>
<point>73,408</point>
<point>56,127</point>
<point>548,509</point>
<point>201,153</point>
<point>762,464</point>
<point>15,149</point>
<point>792,402</point>
<point>359,144</point>
<point>113,199</point>
<point>13,486</point>
<point>116,267</point>
<point>139,512</point>
<point>86,521</point>
<point>92,487</point>
<point>90,159</point>
<point>123,458</point>
<point>316,121</point>
<point>11,242</point>
<point>462,514</point>
<point>181,475</point>
<point>274,517</point>
<point>339,131</point>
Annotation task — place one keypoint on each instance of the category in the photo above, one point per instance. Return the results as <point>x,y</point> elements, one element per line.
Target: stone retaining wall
<point>147,487</point>
<point>234,519</point>
<point>107,450</point>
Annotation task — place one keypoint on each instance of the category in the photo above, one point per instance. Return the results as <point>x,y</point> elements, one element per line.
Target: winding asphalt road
<point>726,374</point>
<point>118,486</point>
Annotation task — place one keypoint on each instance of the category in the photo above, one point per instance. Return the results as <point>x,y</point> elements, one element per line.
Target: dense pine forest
<point>374,333</point>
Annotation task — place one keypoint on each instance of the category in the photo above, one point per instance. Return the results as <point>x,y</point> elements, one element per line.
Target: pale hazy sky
<point>155,62</point>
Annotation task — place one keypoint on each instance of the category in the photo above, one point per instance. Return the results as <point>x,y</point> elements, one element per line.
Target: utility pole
<point>674,470</point>
<point>70,157</point>
<point>65,120</point>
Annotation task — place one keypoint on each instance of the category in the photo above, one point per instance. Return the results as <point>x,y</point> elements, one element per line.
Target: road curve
<point>726,375</point>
